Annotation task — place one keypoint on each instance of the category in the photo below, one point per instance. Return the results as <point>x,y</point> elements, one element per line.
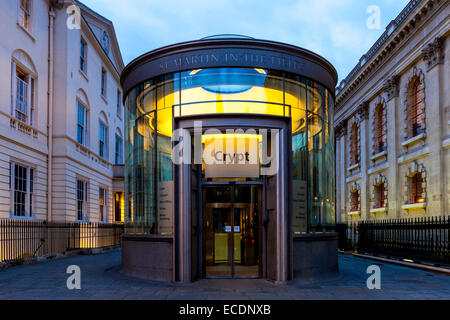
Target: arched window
<point>24,78</point>
<point>354,145</point>
<point>379,129</point>
<point>415,101</point>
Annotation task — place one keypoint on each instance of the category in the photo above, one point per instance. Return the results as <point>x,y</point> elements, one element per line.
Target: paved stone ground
<point>101,279</point>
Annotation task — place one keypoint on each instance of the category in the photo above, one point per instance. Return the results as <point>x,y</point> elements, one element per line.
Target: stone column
<point>363,114</point>
<point>433,54</point>
<point>393,122</point>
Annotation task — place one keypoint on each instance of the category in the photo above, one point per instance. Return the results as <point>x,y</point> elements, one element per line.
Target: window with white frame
<point>102,204</point>
<point>25,14</point>
<point>119,103</point>
<point>23,97</point>
<point>103,83</point>
<point>118,150</point>
<point>22,187</point>
<point>82,124</point>
<point>103,140</point>
<point>81,200</point>
<point>83,56</point>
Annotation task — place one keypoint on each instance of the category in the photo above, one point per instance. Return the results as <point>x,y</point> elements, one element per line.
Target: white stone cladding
<point>28,144</point>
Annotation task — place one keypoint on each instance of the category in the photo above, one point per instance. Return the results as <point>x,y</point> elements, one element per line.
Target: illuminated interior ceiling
<point>208,138</point>
<point>224,98</point>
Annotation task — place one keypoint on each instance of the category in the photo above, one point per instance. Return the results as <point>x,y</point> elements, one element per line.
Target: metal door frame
<point>182,186</point>
<point>232,205</point>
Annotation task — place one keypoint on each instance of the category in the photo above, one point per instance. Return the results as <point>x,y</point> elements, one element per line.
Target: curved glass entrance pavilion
<point>227,214</point>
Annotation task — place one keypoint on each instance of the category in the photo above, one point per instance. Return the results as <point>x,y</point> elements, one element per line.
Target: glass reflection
<point>153,105</point>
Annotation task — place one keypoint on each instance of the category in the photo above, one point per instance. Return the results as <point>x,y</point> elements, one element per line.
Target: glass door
<point>246,221</point>
<point>217,231</point>
<point>231,225</point>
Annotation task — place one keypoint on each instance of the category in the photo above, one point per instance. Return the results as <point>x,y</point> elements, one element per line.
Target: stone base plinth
<point>315,254</point>
<point>147,256</point>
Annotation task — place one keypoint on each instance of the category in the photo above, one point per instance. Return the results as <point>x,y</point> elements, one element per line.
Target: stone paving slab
<point>101,279</point>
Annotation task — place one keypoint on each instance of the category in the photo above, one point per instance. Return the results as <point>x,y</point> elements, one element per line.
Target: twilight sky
<point>335,29</point>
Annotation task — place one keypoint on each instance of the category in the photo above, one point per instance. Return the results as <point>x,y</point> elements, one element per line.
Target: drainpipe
<point>51,17</point>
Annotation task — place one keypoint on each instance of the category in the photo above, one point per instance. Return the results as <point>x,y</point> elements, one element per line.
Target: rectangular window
<point>102,197</point>
<point>81,200</point>
<point>415,100</point>
<point>380,132</point>
<point>103,84</point>
<point>21,98</point>
<point>417,112</point>
<point>355,201</point>
<point>354,145</point>
<point>416,189</point>
<point>83,56</point>
<point>379,196</point>
<point>21,181</point>
<point>102,145</point>
<point>119,103</point>
<point>118,214</point>
<point>23,95</point>
<point>25,14</point>
<point>118,152</point>
<point>81,124</point>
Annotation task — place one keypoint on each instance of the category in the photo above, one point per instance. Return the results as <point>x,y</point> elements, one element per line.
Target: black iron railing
<point>25,239</point>
<point>424,239</point>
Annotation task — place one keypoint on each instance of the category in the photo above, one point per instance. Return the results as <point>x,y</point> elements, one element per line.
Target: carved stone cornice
<point>433,53</point>
<point>391,86</point>
<point>413,16</point>
<point>341,129</point>
<point>363,111</point>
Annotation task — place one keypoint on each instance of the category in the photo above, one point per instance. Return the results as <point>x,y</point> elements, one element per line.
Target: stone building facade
<point>61,113</point>
<point>392,121</point>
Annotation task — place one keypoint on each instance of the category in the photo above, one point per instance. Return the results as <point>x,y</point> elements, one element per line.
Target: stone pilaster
<point>393,112</point>
<point>363,114</point>
<point>391,87</point>
<point>435,116</point>
<point>340,133</point>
